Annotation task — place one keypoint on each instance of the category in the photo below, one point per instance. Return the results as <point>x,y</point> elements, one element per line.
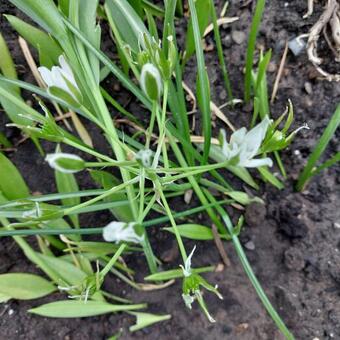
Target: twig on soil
<point>219,246</point>
<point>279,73</point>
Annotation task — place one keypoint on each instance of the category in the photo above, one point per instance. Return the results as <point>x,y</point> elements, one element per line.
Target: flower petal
<point>46,75</point>
<point>255,163</point>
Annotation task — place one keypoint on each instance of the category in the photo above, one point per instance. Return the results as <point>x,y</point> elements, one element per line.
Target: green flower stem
<point>198,170</point>
<point>256,284</point>
<point>106,164</point>
<point>171,218</point>
<point>95,231</point>
<point>150,257</point>
<point>161,127</point>
<point>117,188</point>
<point>152,123</point>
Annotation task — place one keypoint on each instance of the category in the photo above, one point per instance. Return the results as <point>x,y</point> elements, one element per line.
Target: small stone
<point>336,225</point>
<point>10,312</point>
<point>296,45</point>
<point>250,245</point>
<point>238,36</point>
<point>308,87</point>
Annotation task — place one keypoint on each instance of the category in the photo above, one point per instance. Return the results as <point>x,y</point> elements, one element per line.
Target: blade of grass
<point>251,47</point>
<point>217,37</point>
<point>328,133</point>
<point>203,90</point>
<point>247,268</point>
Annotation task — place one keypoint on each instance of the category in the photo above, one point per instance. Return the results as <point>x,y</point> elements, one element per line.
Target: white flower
<point>58,75</point>
<point>121,231</point>
<point>151,81</point>
<point>187,265</point>
<point>245,145</point>
<point>65,162</point>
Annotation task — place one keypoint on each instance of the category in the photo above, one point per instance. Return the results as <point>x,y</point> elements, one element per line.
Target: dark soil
<point>293,240</point>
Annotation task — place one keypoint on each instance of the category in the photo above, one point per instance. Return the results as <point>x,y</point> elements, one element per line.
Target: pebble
<point>336,225</point>
<point>238,36</point>
<point>308,87</point>
<point>10,312</point>
<point>250,245</point>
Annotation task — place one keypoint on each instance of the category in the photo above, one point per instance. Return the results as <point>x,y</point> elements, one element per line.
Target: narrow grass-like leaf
<point>49,51</point>
<point>203,90</point>
<point>80,309</point>
<point>202,10</point>
<point>24,286</point>
<point>220,51</point>
<point>127,21</point>
<point>44,13</point>
<point>320,147</point>
<point>251,47</point>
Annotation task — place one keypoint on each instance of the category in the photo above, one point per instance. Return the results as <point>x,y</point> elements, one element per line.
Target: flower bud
<point>144,157</point>
<point>151,81</point>
<point>65,162</point>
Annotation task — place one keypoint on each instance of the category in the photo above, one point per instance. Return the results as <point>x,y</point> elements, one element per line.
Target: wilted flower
<point>187,264</point>
<point>191,287</point>
<point>65,162</point>
<point>61,77</point>
<point>244,145</point>
<point>121,231</point>
<point>151,81</point>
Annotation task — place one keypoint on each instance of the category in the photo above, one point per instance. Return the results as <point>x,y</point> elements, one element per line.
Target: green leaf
<point>6,63</point>
<point>87,24</point>
<point>80,309</point>
<point>60,271</point>
<point>4,298</point>
<point>44,13</point>
<point>23,286</point>
<point>127,21</point>
<point>49,50</point>
<point>12,185</point>
<point>194,232</point>
<point>146,319</point>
